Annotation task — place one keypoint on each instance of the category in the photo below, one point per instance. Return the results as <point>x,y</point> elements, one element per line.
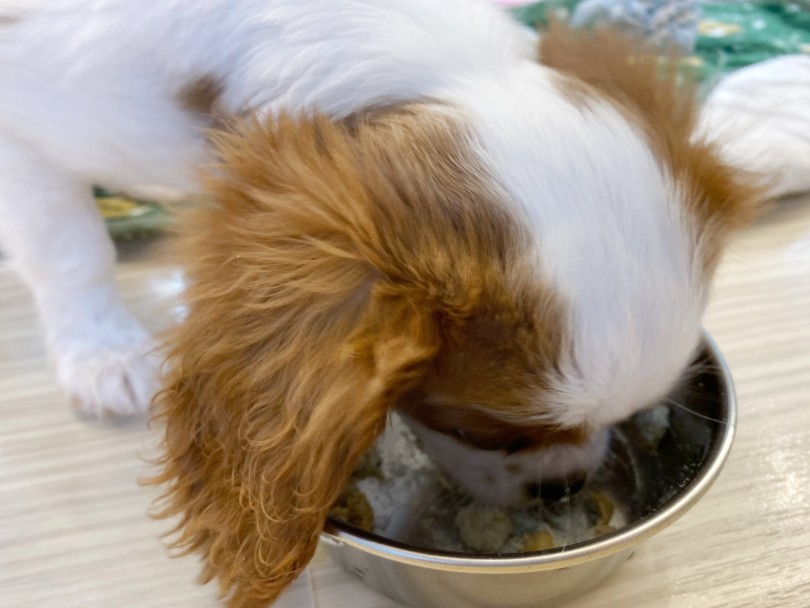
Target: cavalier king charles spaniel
<point>405,205</point>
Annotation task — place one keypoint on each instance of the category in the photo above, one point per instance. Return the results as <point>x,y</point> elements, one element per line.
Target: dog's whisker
<point>569,523</point>
<point>683,407</point>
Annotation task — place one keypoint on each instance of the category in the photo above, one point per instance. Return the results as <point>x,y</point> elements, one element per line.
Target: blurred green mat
<point>129,219</point>
<point>731,35</point>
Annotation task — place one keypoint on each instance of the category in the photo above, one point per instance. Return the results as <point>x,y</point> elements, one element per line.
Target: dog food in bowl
<point>660,463</point>
<point>397,493</point>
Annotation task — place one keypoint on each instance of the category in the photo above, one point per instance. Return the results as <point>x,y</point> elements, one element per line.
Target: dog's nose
<point>557,489</point>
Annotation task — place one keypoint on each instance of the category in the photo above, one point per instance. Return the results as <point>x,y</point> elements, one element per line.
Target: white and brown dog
<point>409,208</point>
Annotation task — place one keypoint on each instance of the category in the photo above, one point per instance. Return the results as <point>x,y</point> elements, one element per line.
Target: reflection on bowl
<point>661,463</point>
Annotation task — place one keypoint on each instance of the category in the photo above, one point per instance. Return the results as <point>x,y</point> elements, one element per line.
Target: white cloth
<point>761,117</point>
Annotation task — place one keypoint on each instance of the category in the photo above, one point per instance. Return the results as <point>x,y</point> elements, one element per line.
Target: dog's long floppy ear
<point>292,351</point>
<point>659,97</point>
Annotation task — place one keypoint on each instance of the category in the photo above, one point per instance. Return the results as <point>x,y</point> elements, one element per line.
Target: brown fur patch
<point>651,94</point>
<point>484,431</point>
<point>10,19</point>
<point>577,91</point>
<point>340,268</point>
<point>201,96</point>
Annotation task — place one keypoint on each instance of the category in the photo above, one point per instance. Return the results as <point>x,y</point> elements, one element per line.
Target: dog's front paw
<point>110,383</point>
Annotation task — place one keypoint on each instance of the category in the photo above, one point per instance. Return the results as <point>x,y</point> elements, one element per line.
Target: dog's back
<point>118,90</point>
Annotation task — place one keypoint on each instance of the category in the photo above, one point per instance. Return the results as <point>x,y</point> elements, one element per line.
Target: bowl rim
<point>337,534</point>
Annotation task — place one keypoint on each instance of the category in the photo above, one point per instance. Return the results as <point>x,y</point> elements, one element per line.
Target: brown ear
<point>660,99</point>
<point>291,354</point>
<point>626,71</point>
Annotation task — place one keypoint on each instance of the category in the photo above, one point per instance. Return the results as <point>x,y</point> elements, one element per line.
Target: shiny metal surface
<point>688,462</point>
<point>423,586</point>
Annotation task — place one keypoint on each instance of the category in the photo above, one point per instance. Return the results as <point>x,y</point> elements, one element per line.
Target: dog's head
<point>514,269</point>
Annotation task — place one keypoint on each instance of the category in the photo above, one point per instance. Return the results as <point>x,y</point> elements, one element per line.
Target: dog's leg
<point>55,236</point>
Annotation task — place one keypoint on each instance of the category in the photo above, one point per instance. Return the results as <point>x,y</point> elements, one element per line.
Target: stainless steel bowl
<point>672,479</point>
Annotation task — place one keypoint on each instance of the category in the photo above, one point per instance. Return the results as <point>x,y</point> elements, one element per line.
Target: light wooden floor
<point>74,530</point>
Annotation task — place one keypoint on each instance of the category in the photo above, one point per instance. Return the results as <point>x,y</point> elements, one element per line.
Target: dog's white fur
<point>604,216</point>
<point>497,479</point>
<point>88,94</point>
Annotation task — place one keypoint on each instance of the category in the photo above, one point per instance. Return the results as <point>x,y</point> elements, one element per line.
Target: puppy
<point>406,210</point>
